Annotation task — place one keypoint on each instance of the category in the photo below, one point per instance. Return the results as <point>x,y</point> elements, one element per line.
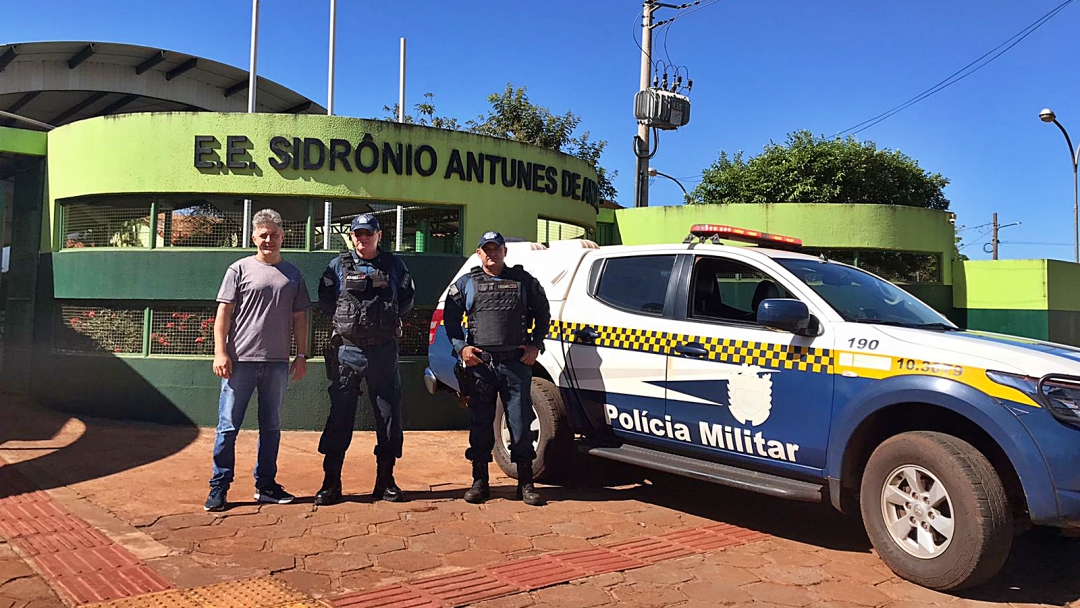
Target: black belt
<point>500,356</point>
<point>366,342</point>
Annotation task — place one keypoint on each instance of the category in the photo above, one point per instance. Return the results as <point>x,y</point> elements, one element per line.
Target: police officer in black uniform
<point>366,292</point>
<point>502,303</point>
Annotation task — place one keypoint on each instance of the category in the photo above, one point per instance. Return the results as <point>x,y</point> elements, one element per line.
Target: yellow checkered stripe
<point>740,352</point>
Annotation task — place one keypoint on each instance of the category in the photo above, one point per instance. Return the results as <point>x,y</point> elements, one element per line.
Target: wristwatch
<point>299,356</point>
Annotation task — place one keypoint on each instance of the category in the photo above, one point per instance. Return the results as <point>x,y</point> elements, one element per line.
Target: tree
<point>513,116</point>
<point>809,169</point>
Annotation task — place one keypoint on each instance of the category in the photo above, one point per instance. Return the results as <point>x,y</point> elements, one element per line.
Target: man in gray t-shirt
<point>262,302</point>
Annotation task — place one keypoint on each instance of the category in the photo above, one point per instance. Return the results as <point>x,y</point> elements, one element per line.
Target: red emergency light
<point>715,232</point>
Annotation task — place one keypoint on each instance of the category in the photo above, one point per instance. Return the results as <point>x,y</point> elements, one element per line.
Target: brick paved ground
<point>143,486</point>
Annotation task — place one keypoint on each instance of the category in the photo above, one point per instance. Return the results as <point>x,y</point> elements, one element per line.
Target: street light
<point>653,173</point>
<point>1047,115</point>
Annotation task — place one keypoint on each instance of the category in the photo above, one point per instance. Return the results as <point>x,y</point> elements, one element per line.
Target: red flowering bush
<point>107,329</point>
<point>182,333</point>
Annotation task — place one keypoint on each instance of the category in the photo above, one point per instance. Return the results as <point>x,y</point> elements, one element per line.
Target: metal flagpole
<point>251,105</point>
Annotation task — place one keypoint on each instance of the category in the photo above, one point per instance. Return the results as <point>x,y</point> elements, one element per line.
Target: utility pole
<point>641,142</point>
<point>994,238</point>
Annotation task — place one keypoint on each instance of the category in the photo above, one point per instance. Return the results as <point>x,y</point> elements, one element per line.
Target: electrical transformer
<point>661,109</point>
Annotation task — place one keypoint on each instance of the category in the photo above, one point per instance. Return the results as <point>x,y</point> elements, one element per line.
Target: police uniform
<point>505,313</point>
<point>366,300</point>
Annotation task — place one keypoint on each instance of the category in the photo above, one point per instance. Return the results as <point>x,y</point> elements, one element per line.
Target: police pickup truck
<point>799,377</point>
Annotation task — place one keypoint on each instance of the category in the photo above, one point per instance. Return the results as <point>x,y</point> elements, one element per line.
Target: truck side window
<point>636,284</point>
<point>729,291</point>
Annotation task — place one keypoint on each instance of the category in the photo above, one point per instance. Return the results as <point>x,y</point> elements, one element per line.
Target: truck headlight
<point>1058,393</point>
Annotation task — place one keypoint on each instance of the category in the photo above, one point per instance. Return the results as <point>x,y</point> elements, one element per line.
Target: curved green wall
<point>881,227</point>
<point>157,153</point>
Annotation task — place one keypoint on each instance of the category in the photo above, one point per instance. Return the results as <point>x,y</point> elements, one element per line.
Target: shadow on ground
<point>55,449</point>
<point>1042,567</point>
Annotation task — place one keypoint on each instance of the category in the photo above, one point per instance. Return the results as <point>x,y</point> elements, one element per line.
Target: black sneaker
<point>274,493</point>
<point>216,500</point>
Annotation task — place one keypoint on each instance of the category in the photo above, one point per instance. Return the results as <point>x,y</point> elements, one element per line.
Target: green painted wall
<point>885,227</point>
<point>155,153</point>
<point>21,141</point>
<point>184,390</point>
<point>1001,284</point>
<point>178,274</point>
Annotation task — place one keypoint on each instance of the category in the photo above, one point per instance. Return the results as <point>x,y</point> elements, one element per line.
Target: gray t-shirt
<point>266,296</point>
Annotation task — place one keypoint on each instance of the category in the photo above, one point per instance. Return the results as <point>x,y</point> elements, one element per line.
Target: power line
<point>956,76</point>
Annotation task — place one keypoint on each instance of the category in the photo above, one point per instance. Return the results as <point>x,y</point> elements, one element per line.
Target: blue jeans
<point>512,380</point>
<point>270,378</point>
<point>378,365</point>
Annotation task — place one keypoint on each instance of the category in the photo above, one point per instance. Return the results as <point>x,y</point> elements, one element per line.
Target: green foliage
<point>425,115</point>
<point>513,116</point>
<point>809,169</point>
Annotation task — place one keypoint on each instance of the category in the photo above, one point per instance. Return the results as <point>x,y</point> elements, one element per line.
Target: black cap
<point>366,221</point>
<point>490,237</point>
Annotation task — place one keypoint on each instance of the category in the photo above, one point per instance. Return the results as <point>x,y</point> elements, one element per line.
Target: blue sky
<point>761,69</point>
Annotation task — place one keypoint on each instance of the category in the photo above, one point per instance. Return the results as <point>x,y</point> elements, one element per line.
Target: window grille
<point>105,225</point>
<point>99,329</point>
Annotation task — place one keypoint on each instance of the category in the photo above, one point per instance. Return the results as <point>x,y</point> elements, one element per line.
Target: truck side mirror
<point>786,315</point>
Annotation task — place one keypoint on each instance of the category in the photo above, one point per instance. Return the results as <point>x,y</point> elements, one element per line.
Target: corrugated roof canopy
<point>61,82</point>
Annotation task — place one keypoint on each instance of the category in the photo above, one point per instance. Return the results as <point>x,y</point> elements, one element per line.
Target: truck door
<point>613,360</point>
<point>748,394</point>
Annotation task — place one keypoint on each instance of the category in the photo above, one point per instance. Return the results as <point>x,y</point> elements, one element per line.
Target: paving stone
<point>372,545</point>
<point>408,561</point>
<point>794,575</point>
<point>522,528</point>
<point>304,545</point>
<point>780,594</point>
<point>439,544</point>
<point>184,520</point>
<point>560,543</point>
<point>367,579</point>
<point>796,558</point>
<point>227,546</point>
<point>506,543</point>
<point>899,589</point>
<point>717,592</point>
<point>582,529</point>
<point>432,517</point>
<point>860,573</point>
<point>336,562</point>
<point>475,558</point>
<point>26,589</point>
<point>247,521</point>
<point>339,531</point>
<point>278,531</point>
<point>646,595</point>
<point>200,533</point>
<point>370,516</point>
<point>573,596</point>
<point>710,570</point>
<point>847,591</point>
<point>517,600</point>
<point>489,515</point>
<point>661,574</point>
<point>291,514</point>
<point>464,528</point>
<point>660,517</point>
<point>311,583</point>
<point>263,560</point>
<point>852,557</point>
<point>11,569</point>
<point>404,528</point>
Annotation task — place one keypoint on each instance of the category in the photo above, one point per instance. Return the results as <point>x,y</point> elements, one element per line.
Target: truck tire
<point>552,437</point>
<point>936,511</point>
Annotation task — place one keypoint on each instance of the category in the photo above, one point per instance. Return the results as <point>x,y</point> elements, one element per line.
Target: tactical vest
<point>366,307</point>
<point>498,317</point>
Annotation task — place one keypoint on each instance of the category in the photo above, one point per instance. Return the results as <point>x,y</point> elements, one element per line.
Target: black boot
<point>330,492</point>
<point>480,490</point>
<point>526,492</point>
<point>385,486</point>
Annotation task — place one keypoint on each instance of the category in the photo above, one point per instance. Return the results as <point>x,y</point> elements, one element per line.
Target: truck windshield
<point>861,297</point>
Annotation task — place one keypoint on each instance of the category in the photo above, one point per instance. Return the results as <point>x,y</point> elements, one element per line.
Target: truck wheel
<point>936,511</point>
<point>552,438</point>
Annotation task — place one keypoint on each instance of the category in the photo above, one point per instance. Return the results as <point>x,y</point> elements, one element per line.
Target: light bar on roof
<point>743,234</point>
